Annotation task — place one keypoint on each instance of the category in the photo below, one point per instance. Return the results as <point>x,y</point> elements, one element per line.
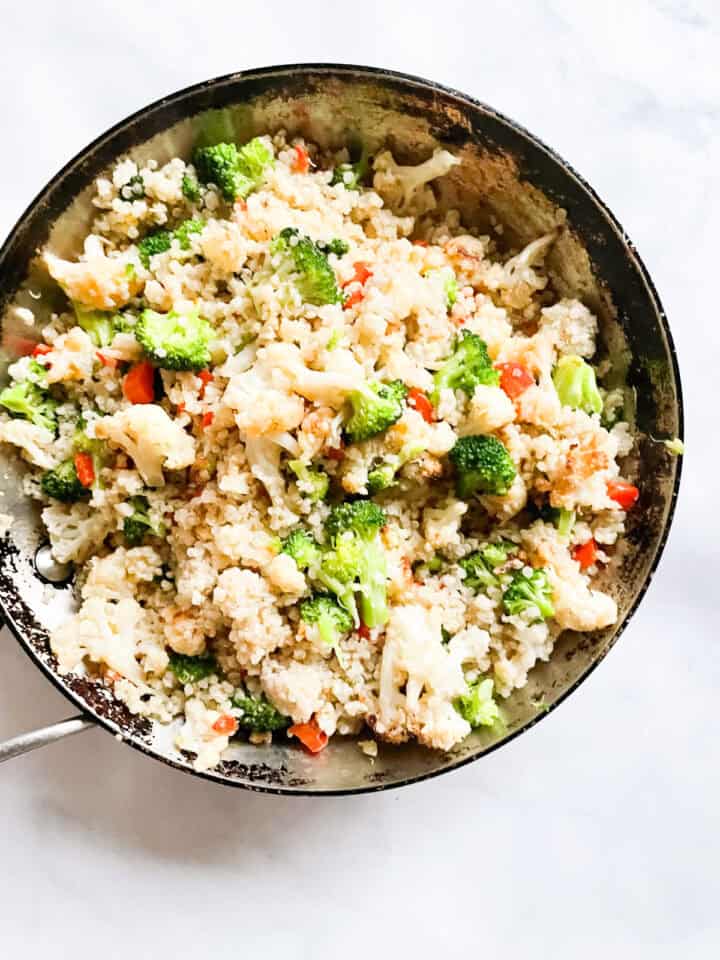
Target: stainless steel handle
<point>25,742</point>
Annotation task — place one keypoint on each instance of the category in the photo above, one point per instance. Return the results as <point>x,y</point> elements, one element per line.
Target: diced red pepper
<point>585,554</point>
<point>623,493</point>
<point>364,631</point>
<point>41,349</point>
<point>206,377</point>
<point>111,362</point>
<point>139,383</point>
<point>310,735</point>
<point>18,346</point>
<point>240,205</point>
<point>180,407</point>
<point>420,243</point>
<point>362,274</point>
<point>335,453</point>
<point>225,724</point>
<point>207,418</point>
<point>419,401</point>
<point>85,469</point>
<point>353,298</point>
<point>514,378</point>
<point>301,161</point>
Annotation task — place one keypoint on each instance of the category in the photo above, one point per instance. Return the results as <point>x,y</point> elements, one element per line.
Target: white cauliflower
<point>151,438</point>
<point>415,658</point>
<point>76,530</point>
<point>401,186</point>
<point>295,688</point>
<point>262,400</point>
<point>98,281</point>
<point>199,736</point>
<point>105,631</point>
<point>570,328</point>
<point>263,455</point>
<point>441,524</point>
<point>490,408</point>
<point>36,442</point>
<point>116,575</point>
<point>72,357</point>
<point>342,373</point>
<point>283,574</point>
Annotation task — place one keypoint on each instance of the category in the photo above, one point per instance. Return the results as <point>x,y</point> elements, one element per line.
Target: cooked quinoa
<point>326,461</point>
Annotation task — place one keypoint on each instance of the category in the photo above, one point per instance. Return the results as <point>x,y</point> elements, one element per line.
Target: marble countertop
<point>596,833</point>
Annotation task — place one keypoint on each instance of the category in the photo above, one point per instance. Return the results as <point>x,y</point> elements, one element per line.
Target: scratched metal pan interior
<point>506,173</point>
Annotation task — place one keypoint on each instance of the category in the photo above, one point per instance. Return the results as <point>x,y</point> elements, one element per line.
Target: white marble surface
<point>594,835</point>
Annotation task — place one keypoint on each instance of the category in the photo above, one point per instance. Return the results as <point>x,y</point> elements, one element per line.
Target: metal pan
<point>506,173</point>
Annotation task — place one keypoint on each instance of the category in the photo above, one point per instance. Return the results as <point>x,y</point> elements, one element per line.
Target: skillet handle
<point>25,742</point>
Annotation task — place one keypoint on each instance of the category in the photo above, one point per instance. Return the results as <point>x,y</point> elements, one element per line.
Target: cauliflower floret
<point>441,525</point>
<point>295,688</point>
<point>151,438</point>
<point>224,246</point>
<point>471,646</point>
<point>199,736</point>
<point>264,459</point>
<point>76,530</point>
<point>105,631</point>
<point>262,402</point>
<point>36,442</point>
<point>507,505</point>
<point>342,373</point>
<point>283,574</point>
<point>116,575</point>
<point>257,628</point>
<point>569,327</point>
<point>97,281</point>
<point>414,656</point>
<point>72,357</point>
<point>539,405</point>
<point>577,607</point>
<point>401,186</point>
<point>490,409</point>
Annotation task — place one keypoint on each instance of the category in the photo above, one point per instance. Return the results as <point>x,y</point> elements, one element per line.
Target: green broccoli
<point>313,276</point>
<point>480,565</point>
<point>357,555</point>
<point>338,571</point>
<point>312,483</point>
<point>564,520</point>
<point>468,366</point>
<point>259,715</point>
<point>529,591</point>
<point>384,474</point>
<point>374,408</point>
<point>351,174</point>
<point>331,619</point>
<point>133,189</point>
<point>190,188</point>
<point>187,227</point>
<point>37,373</point>
<point>477,706</point>
<point>482,465</point>
<point>235,172</point>
<point>175,341</point>
<point>99,326</point>
<point>336,246</point>
<point>26,399</point>
<point>302,548</point>
<point>159,241</point>
<point>139,524</point>
<point>191,669</point>
<point>62,483</point>
<point>576,386</point>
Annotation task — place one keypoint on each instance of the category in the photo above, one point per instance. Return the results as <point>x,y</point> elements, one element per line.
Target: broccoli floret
<point>191,669</point>
<point>351,174</point>
<point>338,571</point>
<point>259,715</point>
<point>331,619</point>
<point>63,483</point>
<point>182,233</point>
<point>336,246</point>
<point>527,591</point>
<point>357,555</point>
<point>384,474</point>
<point>477,706</point>
<point>480,565</point>
<point>190,188</point>
<point>99,326</point>
<point>133,189</point>
<point>576,386</point>
<point>314,277</point>
<point>26,399</point>
<point>482,465</point>
<point>563,519</point>
<point>311,483</point>
<point>175,341</point>
<point>157,242</point>
<point>235,172</point>
<point>374,408</point>
<point>37,373</point>
<point>468,366</point>
<point>139,524</point>
<point>302,548</point>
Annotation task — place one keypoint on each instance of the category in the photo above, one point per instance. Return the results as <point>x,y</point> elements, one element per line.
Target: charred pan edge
<point>551,176</point>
